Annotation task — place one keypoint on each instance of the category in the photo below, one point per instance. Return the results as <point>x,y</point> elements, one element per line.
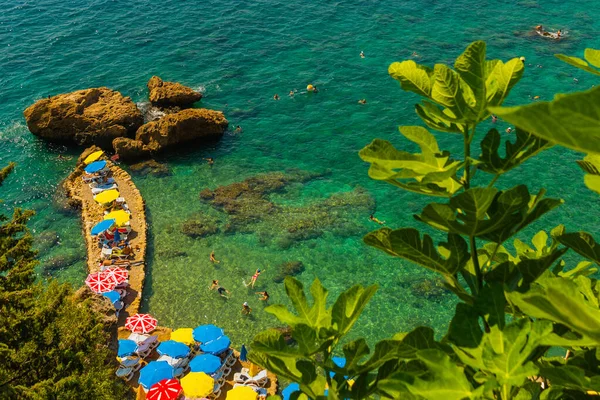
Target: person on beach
<point>375,219</point>
<point>253,279</point>
<point>246,310</point>
<point>212,258</point>
<point>264,296</point>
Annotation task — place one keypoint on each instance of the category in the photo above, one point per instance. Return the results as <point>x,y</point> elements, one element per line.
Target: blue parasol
<point>243,353</point>
<point>340,362</point>
<point>216,346</point>
<point>173,349</point>
<point>102,226</point>
<point>155,372</point>
<point>291,388</point>
<point>113,296</point>
<point>206,363</point>
<point>126,347</point>
<point>206,333</point>
<point>95,166</point>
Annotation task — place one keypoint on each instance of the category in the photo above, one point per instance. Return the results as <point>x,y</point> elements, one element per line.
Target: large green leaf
<point>465,329</point>
<point>412,77</point>
<point>406,243</point>
<point>471,67</point>
<point>316,315</point>
<point>501,78</point>
<point>445,380</point>
<point>488,213</point>
<point>571,120</point>
<point>561,301</point>
<point>581,242</point>
<point>506,353</point>
<point>430,172</point>
<point>591,165</point>
<point>436,118</point>
<point>348,307</point>
<point>592,57</point>
<point>525,146</point>
<point>451,92</point>
<point>571,377</point>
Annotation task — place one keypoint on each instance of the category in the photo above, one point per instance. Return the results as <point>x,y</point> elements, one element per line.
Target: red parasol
<point>100,283</point>
<point>117,274</point>
<point>141,323</point>
<point>167,389</point>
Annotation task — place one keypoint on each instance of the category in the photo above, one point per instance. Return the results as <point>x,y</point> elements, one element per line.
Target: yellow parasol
<point>197,384</point>
<point>120,217</point>
<point>242,393</point>
<point>107,196</point>
<point>183,335</point>
<point>93,157</point>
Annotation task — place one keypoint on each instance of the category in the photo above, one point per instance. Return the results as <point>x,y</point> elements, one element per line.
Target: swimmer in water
<point>276,97</point>
<point>238,129</point>
<point>362,54</point>
<point>212,258</point>
<point>374,219</point>
<point>254,278</point>
<point>246,308</point>
<point>509,130</point>
<point>362,101</point>
<point>264,296</point>
<point>539,28</point>
<point>494,118</point>
<point>291,93</point>
<point>210,160</point>
<point>220,289</point>
<point>558,33</point>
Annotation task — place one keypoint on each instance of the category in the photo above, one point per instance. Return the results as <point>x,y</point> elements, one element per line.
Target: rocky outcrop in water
<point>168,94</point>
<point>90,116</point>
<point>150,167</point>
<point>199,226</point>
<point>290,268</point>
<point>249,208</point>
<point>194,126</point>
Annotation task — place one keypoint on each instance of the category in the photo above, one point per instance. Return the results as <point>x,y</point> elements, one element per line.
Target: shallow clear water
<point>240,54</point>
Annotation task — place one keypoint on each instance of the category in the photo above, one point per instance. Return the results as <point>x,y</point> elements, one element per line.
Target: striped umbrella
<point>117,274</point>
<point>141,323</point>
<point>167,389</point>
<point>100,283</point>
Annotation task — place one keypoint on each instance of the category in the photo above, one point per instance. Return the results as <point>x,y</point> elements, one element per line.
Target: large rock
<point>168,94</point>
<point>195,126</point>
<point>91,116</point>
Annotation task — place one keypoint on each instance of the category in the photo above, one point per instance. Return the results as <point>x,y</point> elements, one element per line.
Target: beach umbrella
<point>197,384</point>
<point>107,196</point>
<point>95,166</point>
<point>173,349</point>
<point>113,296</point>
<point>155,372</point>
<point>117,274</point>
<point>102,226</point>
<point>126,347</point>
<point>207,363</point>
<point>206,333</point>
<point>120,217</point>
<point>243,354</point>
<point>340,362</point>
<point>93,157</point>
<point>99,283</point>
<point>216,346</point>
<point>291,388</point>
<point>242,393</point>
<point>167,389</point>
<point>141,323</point>
<point>183,335</point>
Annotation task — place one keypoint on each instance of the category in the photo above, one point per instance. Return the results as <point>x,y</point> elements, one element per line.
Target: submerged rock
<point>290,268</point>
<point>430,289</point>
<point>150,167</point>
<point>192,126</point>
<point>90,116</point>
<point>171,93</point>
<point>59,263</point>
<point>199,226</point>
<point>46,240</point>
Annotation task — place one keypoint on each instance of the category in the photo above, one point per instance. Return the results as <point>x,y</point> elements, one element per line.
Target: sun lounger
<point>97,183</point>
<point>259,379</point>
<point>241,377</point>
<point>216,391</point>
<point>175,362</point>
<point>102,188</point>
<point>129,361</point>
<point>127,372</point>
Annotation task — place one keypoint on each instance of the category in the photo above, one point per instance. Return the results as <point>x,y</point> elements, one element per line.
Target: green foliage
<point>515,301</point>
<point>592,59</point>
<point>53,344</point>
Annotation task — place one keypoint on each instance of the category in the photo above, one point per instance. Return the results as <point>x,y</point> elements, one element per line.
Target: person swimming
<point>509,129</point>
<point>362,54</point>
<point>246,308</point>
<point>238,129</point>
<point>220,289</point>
<point>374,219</point>
<point>264,296</point>
<point>253,279</point>
<point>212,258</point>
<point>276,97</point>
<point>210,160</point>
<point>362,101</point>
<point>494,119</point>
<point>291,94</point>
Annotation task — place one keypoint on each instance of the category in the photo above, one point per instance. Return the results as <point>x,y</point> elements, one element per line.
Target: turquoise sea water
<point>241,53</point>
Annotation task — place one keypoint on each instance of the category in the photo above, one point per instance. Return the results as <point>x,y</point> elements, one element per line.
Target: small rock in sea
<point>150,167</point>
<point>200,225</point>
<point>290,268</point>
